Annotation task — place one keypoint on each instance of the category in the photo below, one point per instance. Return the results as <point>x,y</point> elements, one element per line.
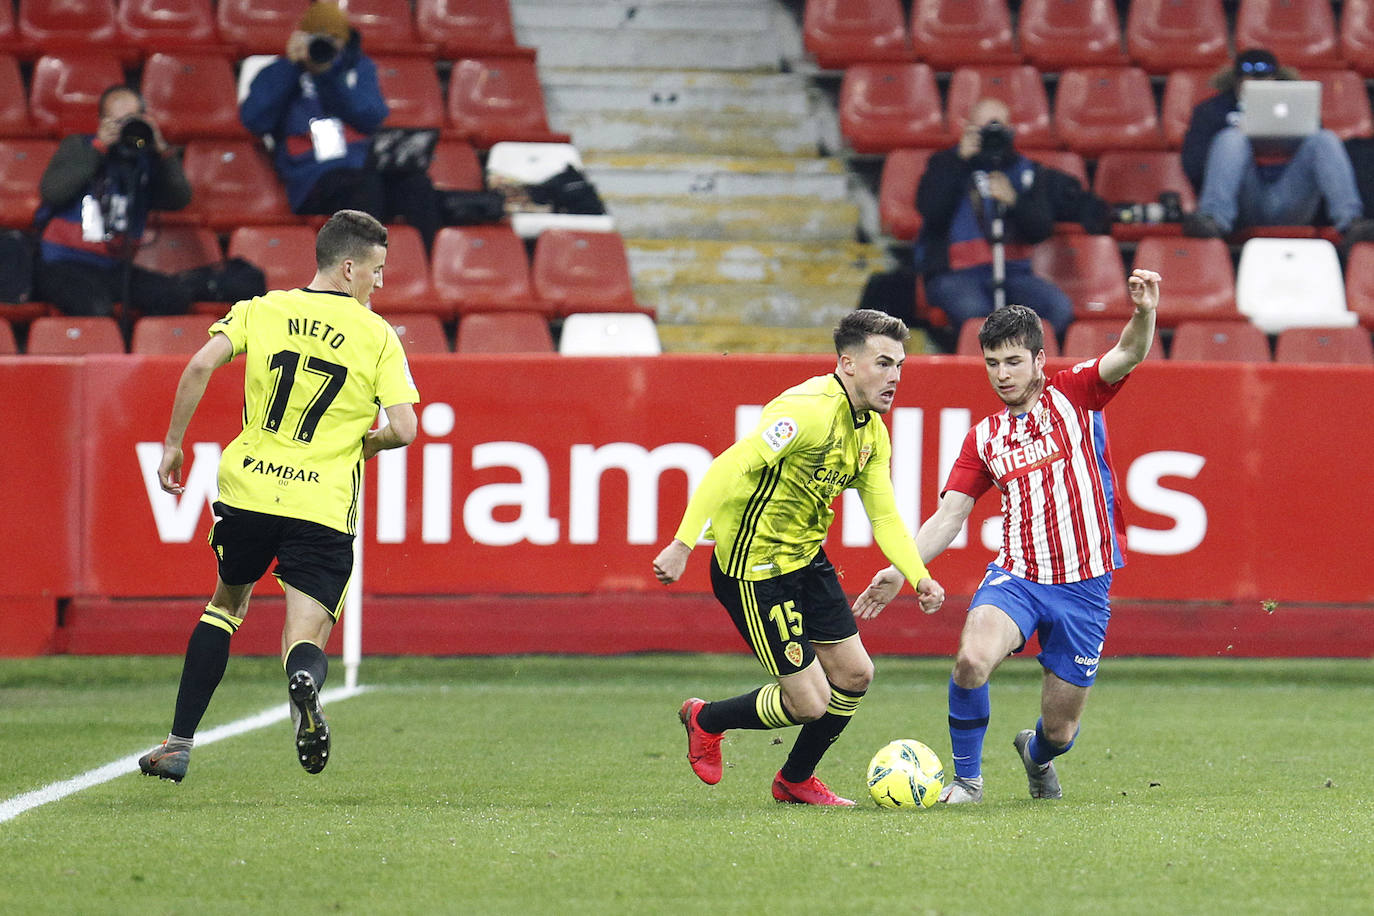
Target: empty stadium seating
<point>232,184</point>
<point>387,26</point>
<point>14,105</point>
<point>455,167</point>
<point>258,26</point>
<point>1102,108</point>
<point>839,33</point>
<point>902,170</point>
<point>483,269</point>
<point>8,346</point>
<point>180,334</point>
<point>1219,341</point>
<point>419,332</point>
<point>406,283</point>
<point>498,98</point>
<point>1301,33</point>
<point>577,271</point>
<point>1324,345</point>
<point>1183,90</point>
<point>192,95</point>
<point>504,332</point>
<point>64,336</point>
<point>1019,86</point>
<point>1345,102</point>
<point>968,340</point>
<point>951,33</point>
<point>469,28</point>
<point>65,93</point>
<point>1286,282</point>
<point>410,86</point>
<point>1357,35</point>
<point>1198,275</point>
<point>80,25</point>
<point>609,334</point>
<point>170,249</point>
<point>1165,35</point>
<point>21,168</point>
<point>884,107</point>
<point>285,254</point>
<point>1059,34</point>
<point>1089,269</point>
<point>1089,338</point>
<point>169,25</point>
<point>1359,283</point>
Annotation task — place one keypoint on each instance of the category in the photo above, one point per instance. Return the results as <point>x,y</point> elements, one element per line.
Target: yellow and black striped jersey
<point>768,497</point>
<point>319,366</point>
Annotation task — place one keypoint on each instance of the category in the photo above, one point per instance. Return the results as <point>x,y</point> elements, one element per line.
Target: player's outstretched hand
<point>169,470</point>
<point>879,594</point>
<point>931,595</point>
<point>1144,288</point>
<point>671,562</point>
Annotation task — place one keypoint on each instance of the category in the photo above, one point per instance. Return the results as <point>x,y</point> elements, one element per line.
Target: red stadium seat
<point>1167,35</point>
<point>1058,34</point>
<point>951,33</point>
<point>64,336</point>
<point>192,96</point>
<point>1020,87</point>
<point>1102,108</point>
<point>1202,281</point>
<point>285,254</point>
<point>1183,91</point>
<point>169,25</point>
<point>8,346</point>
<point>410,86</point>
<point>22,163</point>
<point>1125,176</point>
<point>1324,345</point>
<point>1359,283</point>
<point>1301,33</point>
<point>968,340</point>
<point>902,170</point>
<point>1220,341</point>
<point>387,27</point>
<point>504,332</point>
<point>232,185</point>
<point>455,167</point>
<point>884,107</point>
<point>419,333</point>
<point>839,33</point>
<point>1090,338</point>
<point>10,42</point>
<point>483,269</point>
<point>14,106</point>
<point>578,271</point>
<point>1089,269</point>
<point>497,99</point>
<point>65,95</point>
<point>407,285</point>
<point>66,25</point>
<point>1345,102</point>
<point>1064,160</point>
<point>181,334</point>
<point>1357,34</point>
<point>172,249</point>
<point>258,26</point>
<point>469,28</point>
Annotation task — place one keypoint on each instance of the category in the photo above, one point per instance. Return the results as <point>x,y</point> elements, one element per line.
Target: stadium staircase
<point>716,158</point>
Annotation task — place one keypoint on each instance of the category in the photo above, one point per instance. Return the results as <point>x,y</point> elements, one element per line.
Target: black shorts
<point>311,558</point>
<point>781,617</point>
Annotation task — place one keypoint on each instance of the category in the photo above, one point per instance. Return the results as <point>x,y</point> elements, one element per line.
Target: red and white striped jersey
<point>1061,510</point>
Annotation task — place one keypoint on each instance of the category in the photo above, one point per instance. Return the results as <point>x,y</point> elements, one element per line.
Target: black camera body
<point>997,149</point>
<point>321,49</point>
<point>135,137</point>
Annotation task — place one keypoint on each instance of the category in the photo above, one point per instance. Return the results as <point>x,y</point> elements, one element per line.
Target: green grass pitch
<point>537,785</point>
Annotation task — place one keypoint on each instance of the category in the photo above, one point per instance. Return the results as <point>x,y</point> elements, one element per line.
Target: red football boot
<point>810,792</point>
<point>703,747</point>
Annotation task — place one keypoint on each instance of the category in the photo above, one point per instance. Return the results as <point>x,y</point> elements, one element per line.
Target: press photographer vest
<point>114,206</point>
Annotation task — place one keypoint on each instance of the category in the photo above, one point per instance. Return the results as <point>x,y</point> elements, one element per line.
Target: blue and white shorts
<point>1070,619</point>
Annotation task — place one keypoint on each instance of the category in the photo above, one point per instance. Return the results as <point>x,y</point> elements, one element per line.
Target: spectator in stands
<point>1239,186</point>
<point>97,192</point>
<point>320,103</point>
<point>965,193</point>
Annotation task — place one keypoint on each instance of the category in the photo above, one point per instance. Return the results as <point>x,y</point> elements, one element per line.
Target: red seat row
<point>433,28</point>
<point>889,106</point>
<point>1159,35</point>
<point>194,95</point>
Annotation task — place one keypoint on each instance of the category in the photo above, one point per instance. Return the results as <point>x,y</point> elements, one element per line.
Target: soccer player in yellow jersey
<point>767,502</point>
<point>319,364</point>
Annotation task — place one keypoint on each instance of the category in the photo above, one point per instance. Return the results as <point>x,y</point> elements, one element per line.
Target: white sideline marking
<point>13,807</point>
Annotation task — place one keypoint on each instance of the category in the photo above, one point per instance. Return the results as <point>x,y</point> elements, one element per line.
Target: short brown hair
<point>1014,324</point>
<point>347,234</point>
<point>861,324</point>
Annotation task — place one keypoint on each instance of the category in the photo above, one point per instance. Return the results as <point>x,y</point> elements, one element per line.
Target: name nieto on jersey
<point>313,327</point>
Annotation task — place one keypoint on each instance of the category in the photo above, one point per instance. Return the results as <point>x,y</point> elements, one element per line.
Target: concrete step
<point>715,133</point>
<point>636,174</point>
<point>670,262</point>
<point>739,218</point>
<point>632,15</point>
<point>731,338</point>
<point>569,91</point>
<point>794,305</point>
<point>695,49</point>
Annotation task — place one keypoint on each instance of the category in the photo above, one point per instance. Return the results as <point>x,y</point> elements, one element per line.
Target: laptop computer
<point>402,149</point>
<point>1280,109</point>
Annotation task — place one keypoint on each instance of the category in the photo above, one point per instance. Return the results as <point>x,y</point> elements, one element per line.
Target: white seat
<point>529,225</point>
<point>1291,283</point>
<point>609,334</point>
<point>529,163</point>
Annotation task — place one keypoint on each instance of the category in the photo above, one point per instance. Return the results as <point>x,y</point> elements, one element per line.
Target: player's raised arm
<point>1136,337</point>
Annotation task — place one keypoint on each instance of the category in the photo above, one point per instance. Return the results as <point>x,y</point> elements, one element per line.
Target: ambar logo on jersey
<point>281,471</point>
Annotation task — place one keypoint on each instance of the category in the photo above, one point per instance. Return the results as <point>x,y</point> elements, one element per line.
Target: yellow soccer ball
<point>905,774</point>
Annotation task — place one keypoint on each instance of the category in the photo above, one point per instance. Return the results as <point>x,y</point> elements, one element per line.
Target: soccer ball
<point>905,774</point>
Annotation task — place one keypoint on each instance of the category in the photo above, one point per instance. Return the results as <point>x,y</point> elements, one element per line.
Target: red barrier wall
<point>557,477</point>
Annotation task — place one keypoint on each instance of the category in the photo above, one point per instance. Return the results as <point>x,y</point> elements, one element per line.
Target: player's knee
<point>805,706</point>
<point>1060,734</point>
<point>970,670</point>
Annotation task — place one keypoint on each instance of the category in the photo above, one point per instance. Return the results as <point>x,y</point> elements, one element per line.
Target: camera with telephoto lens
<point>321,49</point>
<point>995,141</point>
<point>135,137</point>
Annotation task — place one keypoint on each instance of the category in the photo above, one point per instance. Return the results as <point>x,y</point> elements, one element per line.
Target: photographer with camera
<point>320,103</point>
<point>982,207</point>
<point>97,192</point>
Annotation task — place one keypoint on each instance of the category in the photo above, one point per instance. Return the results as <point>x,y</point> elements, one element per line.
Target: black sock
<point>306,656</point>
<point>815,738</point>
<point>757,709</point>
<point>207,655</point>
